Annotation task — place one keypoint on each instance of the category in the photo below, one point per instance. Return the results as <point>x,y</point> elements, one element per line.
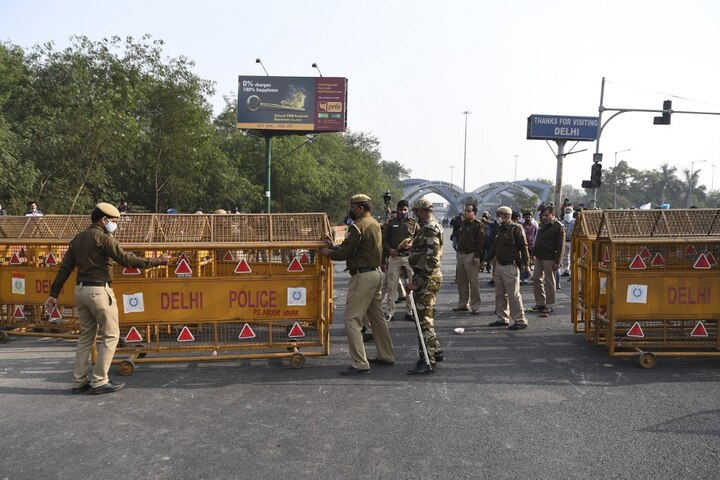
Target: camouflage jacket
<point>426,252</point>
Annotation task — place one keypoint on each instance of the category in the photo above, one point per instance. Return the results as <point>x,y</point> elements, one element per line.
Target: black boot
<point>421,368</point>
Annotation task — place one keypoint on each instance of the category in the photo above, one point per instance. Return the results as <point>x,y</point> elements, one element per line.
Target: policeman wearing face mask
<point>92,252</point>
<point>396,230</point>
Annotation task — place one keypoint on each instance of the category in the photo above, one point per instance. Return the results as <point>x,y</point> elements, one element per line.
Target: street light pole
<point>690,180</point>
<point>466,113</point>
<point>452,167</point>
<point>712,180</point>
<point>515,176</point>
<point>615,175</point>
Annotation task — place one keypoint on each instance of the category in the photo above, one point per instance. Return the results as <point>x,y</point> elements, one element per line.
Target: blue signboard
<point>562,127</point>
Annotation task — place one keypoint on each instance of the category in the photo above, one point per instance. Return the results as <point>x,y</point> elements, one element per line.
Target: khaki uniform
<point>92,252</point>
<point>509,248</point>
<point>362,251</point>
<point>471,245</point>
<point>425,257</point>
<point>394,232</point>
<point>548,250</point>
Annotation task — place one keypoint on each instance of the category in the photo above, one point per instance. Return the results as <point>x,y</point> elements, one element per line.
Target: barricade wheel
<point>3,337</point>
<point>647,360</point>
<point>297,360</point>
<point>126,368</point>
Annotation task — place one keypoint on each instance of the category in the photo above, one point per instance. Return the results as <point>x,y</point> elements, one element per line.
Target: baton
<point>411,296</point>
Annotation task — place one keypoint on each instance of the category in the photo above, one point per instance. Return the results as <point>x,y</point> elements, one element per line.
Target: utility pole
<point>515,176</point>
<point>466,113</point>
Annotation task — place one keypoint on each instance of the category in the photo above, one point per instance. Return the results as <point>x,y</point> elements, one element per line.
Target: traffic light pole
<point>597,158</point>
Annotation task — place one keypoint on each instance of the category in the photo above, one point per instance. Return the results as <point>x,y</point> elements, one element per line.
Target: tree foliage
<point>110,119</point>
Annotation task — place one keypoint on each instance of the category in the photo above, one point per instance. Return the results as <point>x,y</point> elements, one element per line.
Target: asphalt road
<point>540,403</point>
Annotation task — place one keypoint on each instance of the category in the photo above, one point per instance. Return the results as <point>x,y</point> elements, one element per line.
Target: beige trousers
<point>467,276</point>
<point>508,302</point>
<point>544,283</point>
<point>98,312</point>
<point>363,298</point>
<point>392,277</point>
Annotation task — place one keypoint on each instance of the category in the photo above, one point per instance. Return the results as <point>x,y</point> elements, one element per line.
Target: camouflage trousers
<point>425,297</point>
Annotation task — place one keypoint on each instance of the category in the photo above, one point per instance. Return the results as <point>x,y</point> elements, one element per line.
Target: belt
<point>403,254</point>
<point>465,253</point>
<point>93,284</point>
<point>354,271</point>
<point>511,262</point>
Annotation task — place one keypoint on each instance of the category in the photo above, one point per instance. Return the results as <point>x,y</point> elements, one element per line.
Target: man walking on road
<point>91,251</point>
<point>548,251</point>
<point>395,231</point>
<point>362,251</point>
<point>470,254</point>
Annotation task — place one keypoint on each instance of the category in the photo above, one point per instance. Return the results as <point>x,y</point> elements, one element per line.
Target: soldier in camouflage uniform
<point>425,256</point>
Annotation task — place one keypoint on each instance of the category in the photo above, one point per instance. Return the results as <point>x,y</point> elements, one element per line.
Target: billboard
<point>292,104</point>
<point>562,127</point>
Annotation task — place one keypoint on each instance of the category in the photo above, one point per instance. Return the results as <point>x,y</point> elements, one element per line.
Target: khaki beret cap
<point>220,211</point>
<point>423,204</point>
<point>108,210</point>
<point>504,209</point>
<point>359,198</point>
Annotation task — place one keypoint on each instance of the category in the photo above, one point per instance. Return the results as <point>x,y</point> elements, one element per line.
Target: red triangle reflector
<point>243,267</point>
<point>133,335</point>
<point>690,250</point>
<point>131,271</point>
<point>606,255</point>
<point>304,258</point>
<point>18,313</point>
<point>55,314</point>
<point>702,262</point>
<point>645,253</point>
<point>711,259</point>
<point>246,332</point>
<point>638,263</point>
<point>183,268</point>
<point>585,250</point>
<point>228,257</point>
<point>699,330</point>
<point>295,266</point>
<point>635,331</point>
<point>51,259</point>
<point>186,335</point>
<point>296,331</point>
<point>14,259</point>
<point>658,260</point>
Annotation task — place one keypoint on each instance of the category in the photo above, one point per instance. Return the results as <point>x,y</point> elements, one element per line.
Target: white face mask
<point>110,227</point>
<point>568,217</point>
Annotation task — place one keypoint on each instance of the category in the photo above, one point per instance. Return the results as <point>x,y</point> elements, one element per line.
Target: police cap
<point>423,204</point>
<point>359,198</point>
<point>108,210</point>
<point>504,209</point>
<point>485,214</point>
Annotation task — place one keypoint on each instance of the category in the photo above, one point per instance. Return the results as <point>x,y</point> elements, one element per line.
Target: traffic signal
<point>596,175</point>
<point>665,118</point>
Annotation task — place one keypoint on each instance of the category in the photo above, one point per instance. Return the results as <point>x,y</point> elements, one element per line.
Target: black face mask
<point>401,215</point>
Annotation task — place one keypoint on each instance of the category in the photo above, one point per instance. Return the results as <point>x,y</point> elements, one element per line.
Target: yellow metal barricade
<point>583,252</point>
<point>658,283</point>
<point>238,286</point>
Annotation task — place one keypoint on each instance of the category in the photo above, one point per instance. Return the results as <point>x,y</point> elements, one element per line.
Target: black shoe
<point>518,326</point>
<point>377,361</point>
<point>421,368</point>
<point>367,337</point>
<point>566,274</point>
<point>460,309</point>
<point>497,323</point>
<point>409,317</point>
<point>491,283</point>
<point>439,356</point>
<point>107,388</point>
<point>82,389</point>
<point>354,371</point>
<point>400,300</point>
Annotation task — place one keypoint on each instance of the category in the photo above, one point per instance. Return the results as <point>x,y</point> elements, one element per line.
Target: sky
<point>414,67</point>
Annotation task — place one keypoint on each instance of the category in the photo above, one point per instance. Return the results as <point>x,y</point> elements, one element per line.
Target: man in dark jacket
<point>548,250</point>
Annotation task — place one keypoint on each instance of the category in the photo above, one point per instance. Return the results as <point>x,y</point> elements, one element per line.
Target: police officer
<point>509,252</point>
<point>92,252</point>
<point>470,254</point>
<point>394,232</point>
<point>362,251</point>
<point>425,257</point>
